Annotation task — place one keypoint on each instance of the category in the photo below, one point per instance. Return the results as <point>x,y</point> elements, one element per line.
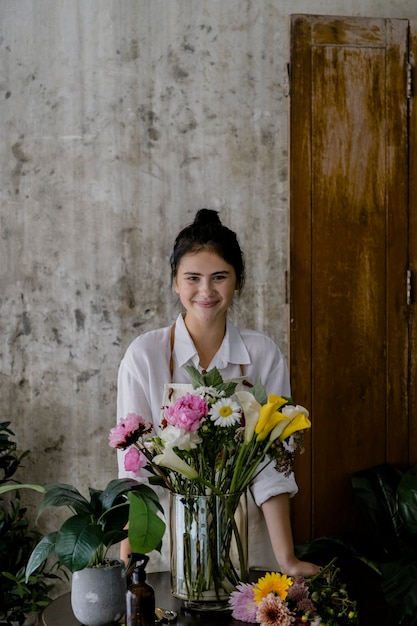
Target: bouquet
<point>214,440</point>
<point>211,444</point>
<point>278,600</point>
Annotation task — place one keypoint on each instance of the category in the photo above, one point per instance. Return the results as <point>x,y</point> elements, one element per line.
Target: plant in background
<point>97,523</point>
<point>18,597</point>
<point>407,499</point>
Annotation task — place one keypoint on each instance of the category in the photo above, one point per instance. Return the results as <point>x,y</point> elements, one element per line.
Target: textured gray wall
<point>119,119</point>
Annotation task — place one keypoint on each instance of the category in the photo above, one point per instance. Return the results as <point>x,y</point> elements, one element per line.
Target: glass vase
<point>209,548</point>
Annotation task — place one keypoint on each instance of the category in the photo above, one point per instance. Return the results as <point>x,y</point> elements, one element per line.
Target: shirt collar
<point>232,350</point>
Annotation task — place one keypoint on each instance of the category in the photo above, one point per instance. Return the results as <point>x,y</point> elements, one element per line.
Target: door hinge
<point>409,287</point>
<point>409,80</point>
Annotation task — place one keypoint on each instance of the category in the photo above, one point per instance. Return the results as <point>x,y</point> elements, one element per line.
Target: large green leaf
<point>150,497</point>
<point>40,553</point>
<point>407,499</point>
<point>60,494</point>
<point>146,528</point>
<point>77,542</point>
<point>116,488</point>
<point>5,488</point>
<point>113,536</point>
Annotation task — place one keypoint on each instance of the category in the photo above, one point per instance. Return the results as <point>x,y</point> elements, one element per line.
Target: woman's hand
<point>295,567</point>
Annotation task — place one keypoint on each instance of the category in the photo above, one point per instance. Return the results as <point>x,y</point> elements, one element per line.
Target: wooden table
<point>59,612</point>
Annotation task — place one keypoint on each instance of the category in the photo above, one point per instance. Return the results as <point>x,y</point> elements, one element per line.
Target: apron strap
<point>171,356</point>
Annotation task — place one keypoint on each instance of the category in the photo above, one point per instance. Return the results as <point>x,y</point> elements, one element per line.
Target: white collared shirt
<point>145,370</point>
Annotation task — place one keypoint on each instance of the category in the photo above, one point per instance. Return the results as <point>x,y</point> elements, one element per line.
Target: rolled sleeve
<point>270,483</point>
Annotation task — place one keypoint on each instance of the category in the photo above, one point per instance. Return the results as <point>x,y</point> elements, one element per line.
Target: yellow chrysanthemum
<point>272,583</point>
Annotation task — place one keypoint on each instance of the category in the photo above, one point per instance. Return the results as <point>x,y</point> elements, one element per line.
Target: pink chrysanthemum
<point>187,412</point>
<point>134,461</point>
<point>272,611</point>
<point>128,431</point>
<point>298,590</point>
<point>243,603</point>
<point>300,595</point>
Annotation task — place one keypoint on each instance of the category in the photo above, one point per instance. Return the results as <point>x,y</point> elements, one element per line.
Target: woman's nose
<point>206,286</point>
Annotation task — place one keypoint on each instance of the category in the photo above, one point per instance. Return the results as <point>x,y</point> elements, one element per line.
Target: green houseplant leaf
<point>96,524</point>
<point>6,488</point>
<point>77,542</point>
<point>61,494</point>
<point>407,499</point>
<point>146,528</point>
<point>43,550</point>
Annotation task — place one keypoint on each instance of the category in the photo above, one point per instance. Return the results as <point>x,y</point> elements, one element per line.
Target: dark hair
<point>208,233</point>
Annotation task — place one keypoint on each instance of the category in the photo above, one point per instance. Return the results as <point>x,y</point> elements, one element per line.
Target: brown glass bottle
<point>140,597</point>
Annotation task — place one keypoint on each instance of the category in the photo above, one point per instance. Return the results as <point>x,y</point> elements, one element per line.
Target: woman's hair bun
<point>207,216</point>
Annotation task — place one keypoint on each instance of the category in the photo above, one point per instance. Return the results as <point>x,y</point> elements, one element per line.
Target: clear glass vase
<point>209,548</point>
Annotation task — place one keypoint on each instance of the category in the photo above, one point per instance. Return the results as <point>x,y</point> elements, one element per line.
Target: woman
<point>207,268</point>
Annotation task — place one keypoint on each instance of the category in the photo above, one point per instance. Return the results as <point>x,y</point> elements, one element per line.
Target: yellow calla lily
<point>267,418</point>
<point>299,422</point>
<point>274,419</point>
<point>251,409</point>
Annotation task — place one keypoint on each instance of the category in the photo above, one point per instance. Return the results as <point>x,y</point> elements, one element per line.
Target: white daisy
<point>209,392</point>
<point>225,412</point>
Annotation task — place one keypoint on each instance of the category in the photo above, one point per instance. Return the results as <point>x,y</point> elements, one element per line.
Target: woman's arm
<point>276,511</point>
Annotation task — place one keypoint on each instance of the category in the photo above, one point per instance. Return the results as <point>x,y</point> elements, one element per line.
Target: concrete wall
<point>118,120</point>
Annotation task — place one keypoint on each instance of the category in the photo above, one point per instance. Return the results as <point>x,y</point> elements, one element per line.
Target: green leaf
<point>60,494</point>
<point>196,378</point>
<point>150,497</point>
<point>77,542</point>
<point>229,388</point>
<point>40,553</point>
<point>259,393</point>
<point>5,488</point>
<point>113,536</point>
<point>146,528</point>
<point>213,378</point>
<point>407,499</point>
<point>116,488</point>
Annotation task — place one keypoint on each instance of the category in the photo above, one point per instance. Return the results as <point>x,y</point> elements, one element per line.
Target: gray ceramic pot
<point>98,594</point>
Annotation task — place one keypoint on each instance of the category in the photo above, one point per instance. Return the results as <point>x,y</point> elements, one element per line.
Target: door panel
<point>348,257</point>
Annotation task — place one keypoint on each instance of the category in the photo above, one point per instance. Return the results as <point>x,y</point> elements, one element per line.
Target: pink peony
<point>187,412</point>
<point>128,431</point>
<point>134,461</point>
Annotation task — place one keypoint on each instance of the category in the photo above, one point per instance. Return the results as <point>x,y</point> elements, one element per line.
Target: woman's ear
<point>175,286</point>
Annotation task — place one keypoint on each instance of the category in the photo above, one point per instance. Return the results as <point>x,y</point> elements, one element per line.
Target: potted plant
<point>82,542</point>
<point>20,600</point>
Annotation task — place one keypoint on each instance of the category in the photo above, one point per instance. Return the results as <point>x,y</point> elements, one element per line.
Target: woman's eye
<point>219,277</point>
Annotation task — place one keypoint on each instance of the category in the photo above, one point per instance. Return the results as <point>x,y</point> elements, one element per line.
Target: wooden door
<point>349,257</point>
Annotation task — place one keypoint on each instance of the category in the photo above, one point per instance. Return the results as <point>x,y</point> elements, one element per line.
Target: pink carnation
<point>128,431</point>
<point>187,412</point>
<point>134,461</point>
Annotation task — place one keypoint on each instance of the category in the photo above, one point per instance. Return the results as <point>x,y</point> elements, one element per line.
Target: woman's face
<point>206,284</point>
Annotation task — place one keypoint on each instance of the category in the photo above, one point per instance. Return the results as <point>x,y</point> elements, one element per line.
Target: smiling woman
<point>207,269</point>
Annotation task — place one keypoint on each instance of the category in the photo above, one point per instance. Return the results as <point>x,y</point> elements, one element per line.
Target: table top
<point>59,612</point>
